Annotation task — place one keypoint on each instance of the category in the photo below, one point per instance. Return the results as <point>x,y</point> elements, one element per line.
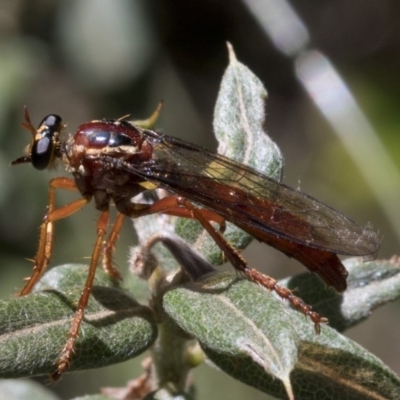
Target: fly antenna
<point>27,125</point>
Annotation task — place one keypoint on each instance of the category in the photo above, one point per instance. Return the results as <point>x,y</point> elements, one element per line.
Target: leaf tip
<point>288,388</point>
<point>231,53</point>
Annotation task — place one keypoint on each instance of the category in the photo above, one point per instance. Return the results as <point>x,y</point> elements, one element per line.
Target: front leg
<point>46,239</point>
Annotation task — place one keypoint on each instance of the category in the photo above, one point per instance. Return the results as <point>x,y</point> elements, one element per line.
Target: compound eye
<point>42,151</point>
<point>52,122</point>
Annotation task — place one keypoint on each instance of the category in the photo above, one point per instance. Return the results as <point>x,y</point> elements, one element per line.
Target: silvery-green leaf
<point>34,328</point>
<point>239,320</point>
<point>227,316</point>
<point>370,284</point>
<point>21,389</point>
<point>163,394</point>
<point>94,397</point>
<point>239,118</point>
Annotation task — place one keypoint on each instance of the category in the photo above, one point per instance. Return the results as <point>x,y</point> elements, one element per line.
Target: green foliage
<point>34,328</point>
<point>20,389</point>
<point>253,336</point>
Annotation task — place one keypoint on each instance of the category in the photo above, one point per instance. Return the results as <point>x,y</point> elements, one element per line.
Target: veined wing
<point>250,199</point>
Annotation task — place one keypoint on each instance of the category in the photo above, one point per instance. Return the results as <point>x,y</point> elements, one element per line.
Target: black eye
<point>52,121</point>
<point>43,148</point>
<point>42,152</point>
<point>42,145</point>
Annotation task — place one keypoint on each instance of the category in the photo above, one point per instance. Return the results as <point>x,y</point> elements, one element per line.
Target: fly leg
<point>109,246</point>
<point>68,350</point>
<point>179,206</point>
<point>170,205</point>
<point>44,252</point>
<point>240,265</point>
<point>46,239</point>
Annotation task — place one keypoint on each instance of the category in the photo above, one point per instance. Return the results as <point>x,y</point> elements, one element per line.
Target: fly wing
<point>251,200</point>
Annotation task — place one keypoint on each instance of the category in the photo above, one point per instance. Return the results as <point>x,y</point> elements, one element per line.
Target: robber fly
<point>112,161</point>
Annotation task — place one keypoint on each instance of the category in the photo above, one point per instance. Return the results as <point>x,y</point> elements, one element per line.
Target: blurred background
<point>92,59</point>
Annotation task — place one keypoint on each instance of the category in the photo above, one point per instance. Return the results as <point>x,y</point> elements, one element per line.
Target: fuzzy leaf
<point>370,284</point>
<point>19,389</point>
<point>163,394</point>
<point>239,118</point>
<point>238,124</point>
<point>34,328</point>
<point>239,320</point>
<point>94,397</point>
<point>224,313</point>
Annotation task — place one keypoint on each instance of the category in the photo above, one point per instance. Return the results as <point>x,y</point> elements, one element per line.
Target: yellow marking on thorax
<point>148,185</point>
